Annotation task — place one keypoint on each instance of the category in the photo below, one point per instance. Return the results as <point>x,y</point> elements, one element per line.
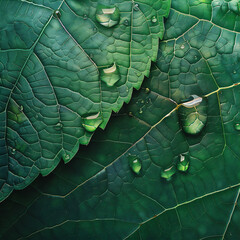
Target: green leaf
<point>63,72</point>
<point>99,196</point>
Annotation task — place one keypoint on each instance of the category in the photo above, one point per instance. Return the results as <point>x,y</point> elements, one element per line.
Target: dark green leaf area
<point>100,197</point>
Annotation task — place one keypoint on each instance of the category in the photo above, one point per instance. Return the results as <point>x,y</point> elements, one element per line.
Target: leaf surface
<point>51,57</point>
<point>99,196</point>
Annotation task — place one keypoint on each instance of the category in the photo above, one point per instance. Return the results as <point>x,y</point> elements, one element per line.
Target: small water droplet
<point>183,163</point>
<point>168,173</point>
<point>126,22</point>
<point>58,126</point>
<point>154,19</point>
<point>140,111</point>
<point>21,108</point>
<point>136,7</point>
<point>237,126</point>
<point>66,157</point>
<point>135,164</point>
<point>57,13</point>
<point>13,151</point>
<point>147,90</point>
<point>110,75</point>
<point>108,16</point>
<point>182,46</point>
<point>193,114</point>
<point>92,121</point>
<point>85,17</point>
<point>234,71</point>
<point>130,114</point>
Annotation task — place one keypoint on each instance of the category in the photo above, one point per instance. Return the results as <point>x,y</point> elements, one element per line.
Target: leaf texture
<point>99,196</point>
<point>51,55</point>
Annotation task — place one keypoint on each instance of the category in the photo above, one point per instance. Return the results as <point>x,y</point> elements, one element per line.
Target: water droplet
<point>168,173</point>
<point>58,126</point>
<point>154,19</point>
<point>126,22</point>
<point>135,164</point>
<point>21,108</point>
<point>85,17</point>
<point>57,13</point>
<point>66,157</point>
<point>130,114</point>
<point>13,151</point>
<point>147,90</point>
<point>237,126</point>
<point>91,122</point>
<point>110,75</point>
<point>136,7</point>
<point>234,71</point>
<point>193,114</point>
<point>140,111</point>
<point>182,47</point>
<point>108,16</point>
<point>183,163</point>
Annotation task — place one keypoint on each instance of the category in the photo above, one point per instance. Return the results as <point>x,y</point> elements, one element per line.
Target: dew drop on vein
<point>13,151</point>
<point>57,13</point>
<point>110,75</point>
<point>108,16</point>
<point>135,164</point>
<point>92,121</point>
<point>136,7</point>
<point>59,126</point>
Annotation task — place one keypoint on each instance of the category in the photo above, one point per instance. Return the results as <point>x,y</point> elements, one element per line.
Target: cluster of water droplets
<point>182,166</point>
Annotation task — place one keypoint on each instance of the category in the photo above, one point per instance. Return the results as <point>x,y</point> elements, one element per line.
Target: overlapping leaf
<point>51,57</point>
<point>101,197</point>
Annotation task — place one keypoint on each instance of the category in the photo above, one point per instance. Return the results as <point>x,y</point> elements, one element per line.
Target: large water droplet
<point>183,163</point>
<point>110,75</point>
<point>135,164</point>
<point>168,173</point>
<point>108,16</point>
<point>57,13</point>
<point>193,114</point>
<point>237,126</point>
<point>91,122</point>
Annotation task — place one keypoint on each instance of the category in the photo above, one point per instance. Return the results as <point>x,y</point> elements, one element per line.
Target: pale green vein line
<point>231,214</point>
